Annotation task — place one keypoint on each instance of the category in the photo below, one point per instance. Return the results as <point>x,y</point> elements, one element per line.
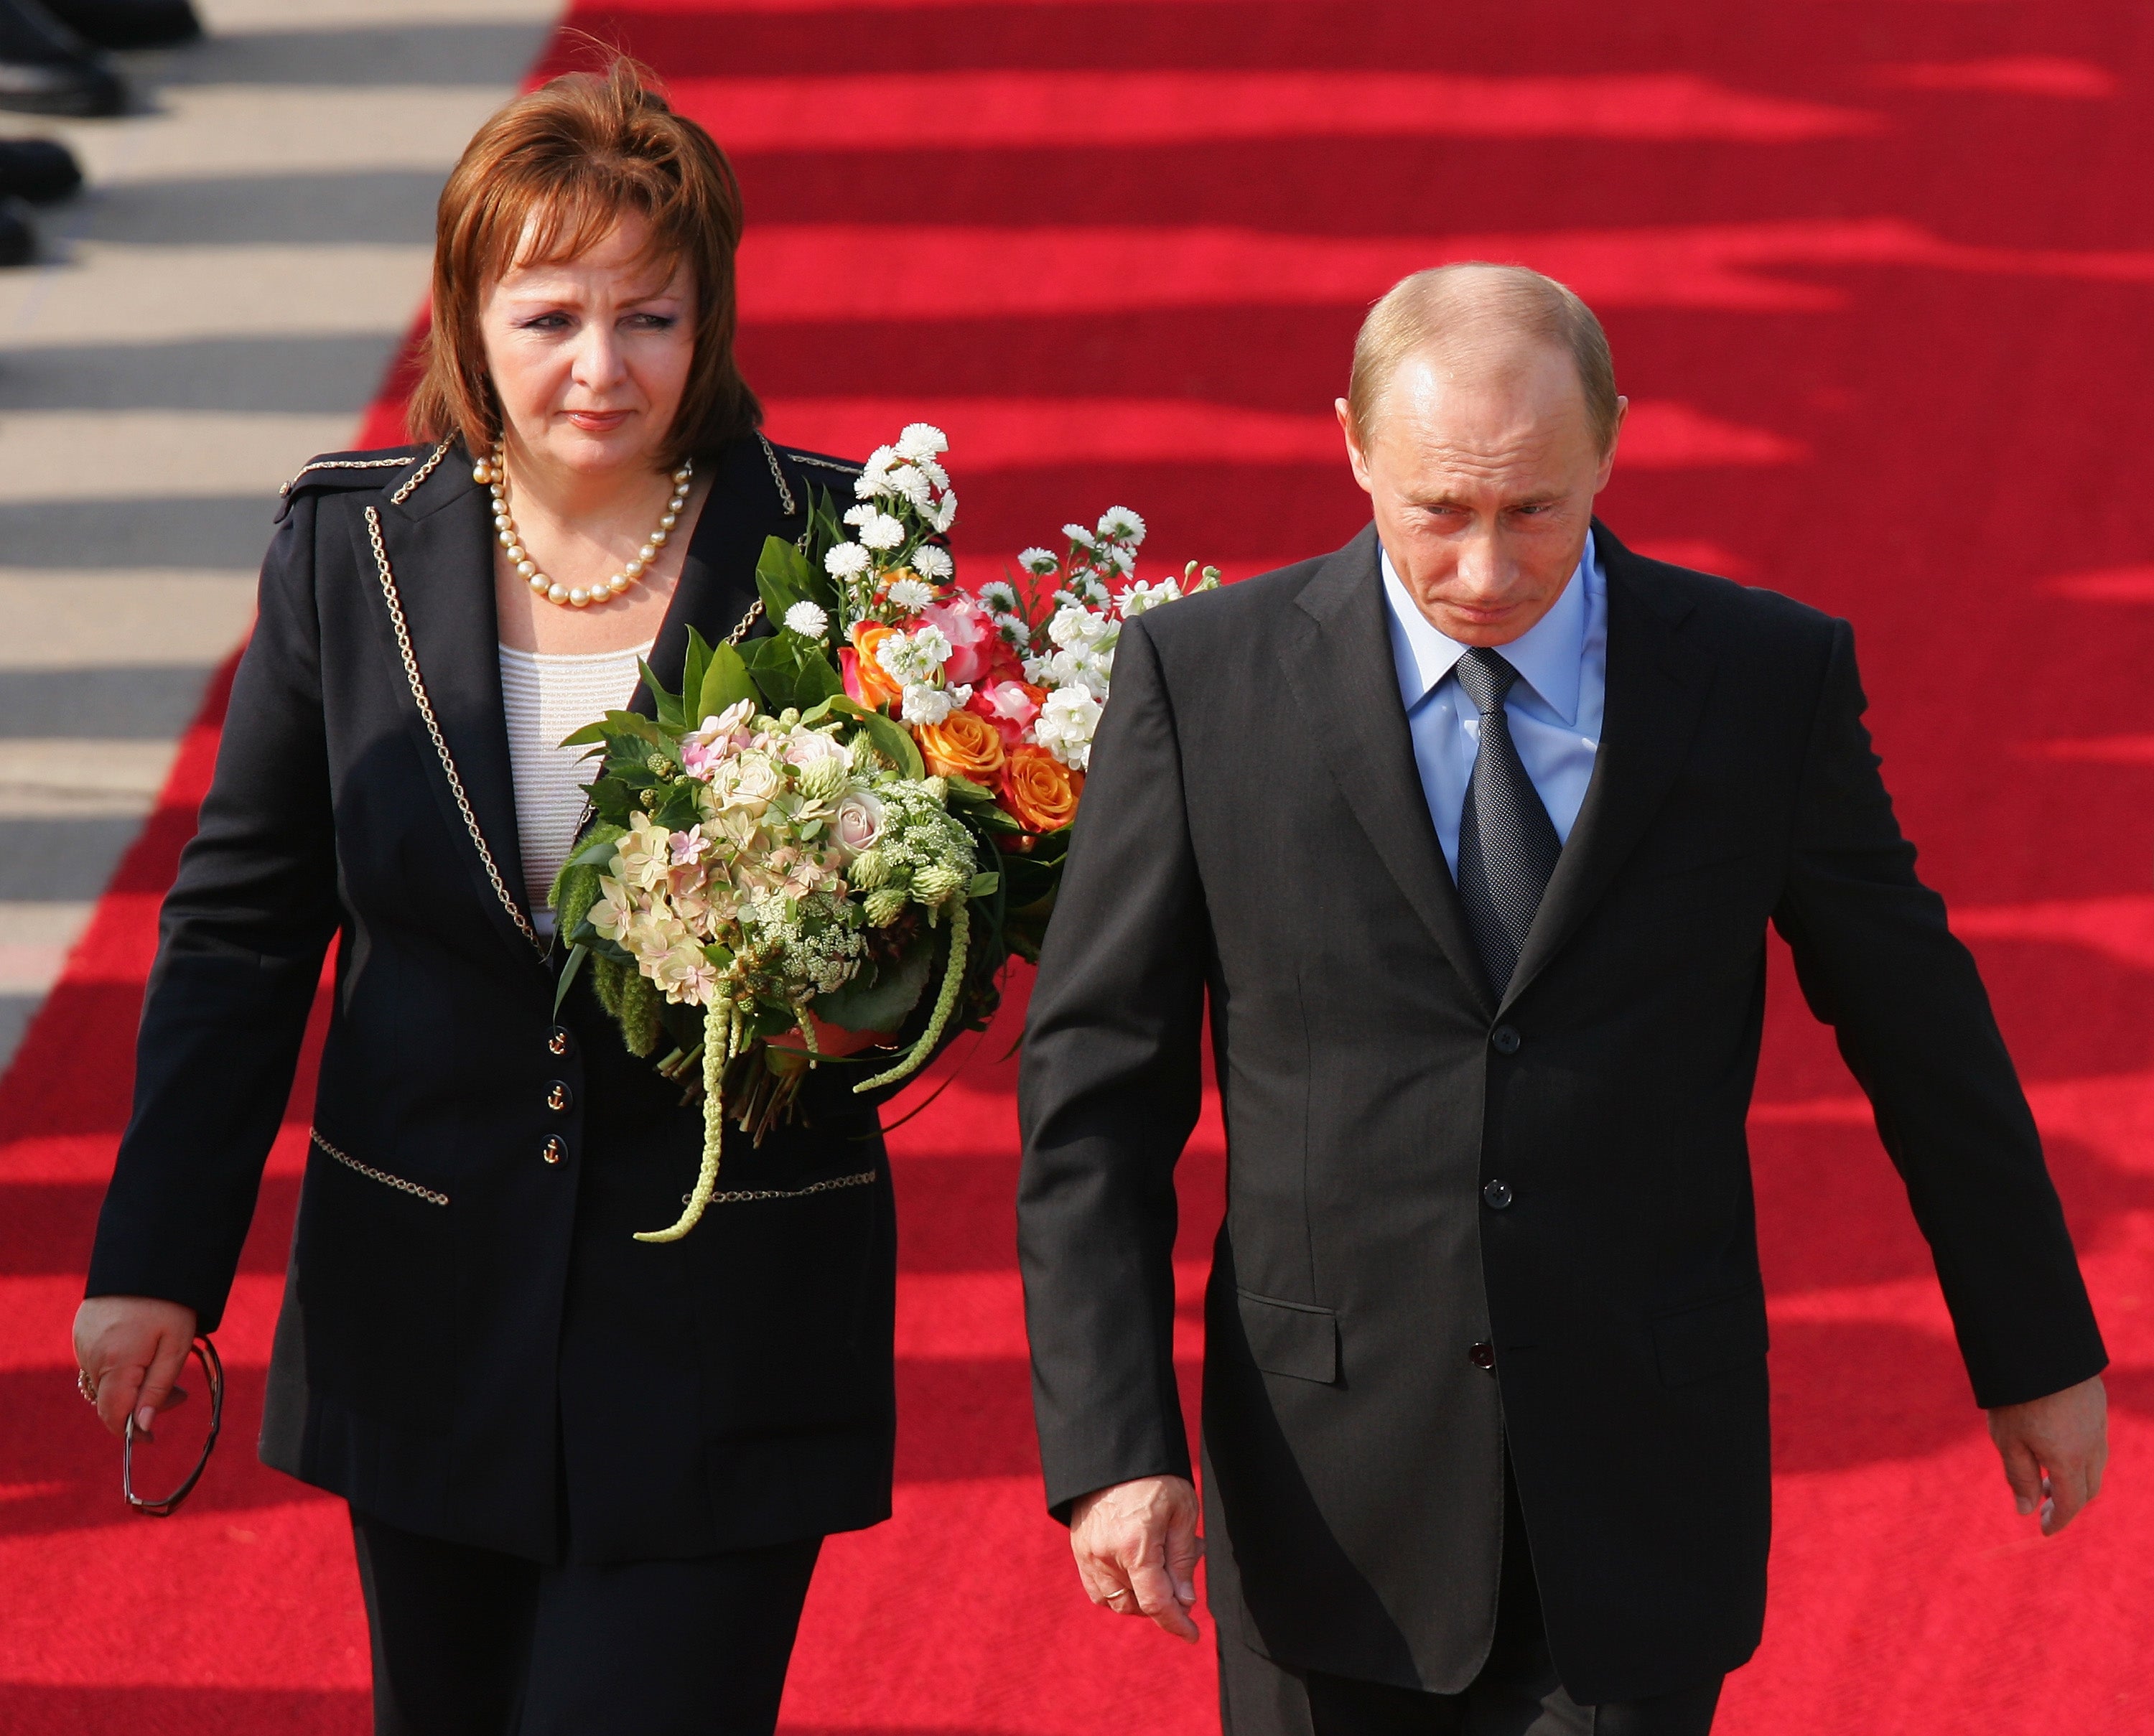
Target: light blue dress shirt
<point>1554,709</point>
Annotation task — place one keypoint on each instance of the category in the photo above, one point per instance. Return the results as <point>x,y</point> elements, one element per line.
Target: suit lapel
<point>1656,687</point>
<point>1349,684</point>
<point>439,546</point>
<point>717,574</point>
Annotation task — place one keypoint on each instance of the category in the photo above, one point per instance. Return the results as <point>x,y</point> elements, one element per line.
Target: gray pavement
<point>218,305</point>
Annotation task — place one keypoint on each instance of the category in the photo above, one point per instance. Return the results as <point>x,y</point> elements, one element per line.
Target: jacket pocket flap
<point>1711,1338</point>
<point>1291,1338</point>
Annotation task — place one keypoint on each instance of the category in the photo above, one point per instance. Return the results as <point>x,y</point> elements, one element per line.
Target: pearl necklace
<point>496,472</point>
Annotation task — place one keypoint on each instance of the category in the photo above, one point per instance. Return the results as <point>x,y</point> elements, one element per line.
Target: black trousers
<point>471,1642</point>
<point>1517,1693</point>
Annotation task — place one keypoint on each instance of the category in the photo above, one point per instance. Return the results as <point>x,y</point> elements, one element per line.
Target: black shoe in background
<point>128,24</point>
<point>19,239</point>
<point>37,170</point>
<point>45,69</point>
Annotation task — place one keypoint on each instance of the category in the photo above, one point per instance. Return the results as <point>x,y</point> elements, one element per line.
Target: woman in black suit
<point>587,1476</point>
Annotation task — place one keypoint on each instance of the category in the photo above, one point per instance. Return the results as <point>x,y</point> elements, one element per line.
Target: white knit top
<point>546,698</point>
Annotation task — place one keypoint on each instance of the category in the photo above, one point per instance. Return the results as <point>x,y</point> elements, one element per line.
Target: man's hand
<point>133,1349</point>
<point>2054,1450</point>
<point>1136,1547</point>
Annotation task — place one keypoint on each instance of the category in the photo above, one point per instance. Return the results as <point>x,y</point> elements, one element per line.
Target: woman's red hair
<point>547,179</point>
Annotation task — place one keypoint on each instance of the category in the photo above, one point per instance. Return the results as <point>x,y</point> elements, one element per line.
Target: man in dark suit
<point>1468,835</point>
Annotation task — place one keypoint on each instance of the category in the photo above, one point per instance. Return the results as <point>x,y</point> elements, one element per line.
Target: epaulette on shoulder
<point>401,467</point>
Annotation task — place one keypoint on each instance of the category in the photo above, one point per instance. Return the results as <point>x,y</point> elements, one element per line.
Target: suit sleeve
<point>240,949</point>
<point>1109,1092</point>
<point>1878,963</point>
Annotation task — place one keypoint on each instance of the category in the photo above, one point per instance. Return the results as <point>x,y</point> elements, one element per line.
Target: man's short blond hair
<point>1465,306</point>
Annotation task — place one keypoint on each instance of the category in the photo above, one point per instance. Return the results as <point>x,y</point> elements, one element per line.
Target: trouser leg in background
<point>1517,1693</point>
<point>471,1642</point>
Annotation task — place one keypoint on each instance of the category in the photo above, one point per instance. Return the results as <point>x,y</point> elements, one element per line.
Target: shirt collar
<point>1550,657</point>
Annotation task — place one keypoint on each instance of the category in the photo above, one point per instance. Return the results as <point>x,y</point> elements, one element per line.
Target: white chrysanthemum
<point>912,594</point>
<point>921,440</point>
<point>911,484</point>
<point>1066,726</point>
<point>1123,525</point>
<point>848,560</point>
<point>924,704</point>
<point>1141,596</point>
<point>807,620</point>
<point>934,472</point>
<point>1038,562</point>
<point>874,479</point>
<point>877,530</point>
<point>1081,537</point>
<point>998,596</point>
<point>934,564</point>
<point>944,513</point>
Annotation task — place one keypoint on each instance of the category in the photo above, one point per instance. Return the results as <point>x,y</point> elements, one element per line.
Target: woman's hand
<point>133,1348</point>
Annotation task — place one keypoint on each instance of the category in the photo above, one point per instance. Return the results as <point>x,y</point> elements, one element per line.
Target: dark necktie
<point>1506,844</point>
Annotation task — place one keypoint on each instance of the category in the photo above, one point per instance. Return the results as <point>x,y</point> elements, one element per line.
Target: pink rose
<point>972,635</point>
<point>858,822</point>
<point>1010,707</point>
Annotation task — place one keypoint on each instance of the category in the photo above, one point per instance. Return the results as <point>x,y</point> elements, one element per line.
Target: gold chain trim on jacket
<point>441,744</point>
<point>341,464</point>
<point>786,503</point>
<point>826,463</point>
<point>381,1175</point>
<point>422,472</point>
<point>744,1195</point>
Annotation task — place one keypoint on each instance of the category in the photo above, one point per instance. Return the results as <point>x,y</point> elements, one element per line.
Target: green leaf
<point>792,671</point>
<point>983,885</point>
<point>658,689</point>
<point>589,734</point>
<point>695,667</point>
<point>881,1003</point>
<point>577,955</point>
<point>964,789</point>
<point>892,740</point>
<point>778,578</point>
<point>725,683</point>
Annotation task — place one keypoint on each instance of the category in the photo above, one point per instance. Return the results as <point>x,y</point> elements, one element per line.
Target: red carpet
<point>1881,279</point>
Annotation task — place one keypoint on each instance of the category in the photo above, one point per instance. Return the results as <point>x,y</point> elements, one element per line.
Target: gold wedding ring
<point>85,1385</point>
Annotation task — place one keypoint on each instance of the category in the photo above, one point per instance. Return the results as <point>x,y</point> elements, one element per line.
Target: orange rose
<point>1039,791</point>
<point>963,745</point>
<point>866,680</point>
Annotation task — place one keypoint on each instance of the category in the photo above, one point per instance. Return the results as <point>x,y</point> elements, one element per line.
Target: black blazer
<point>1254,830</point>
<point>469,1331</point>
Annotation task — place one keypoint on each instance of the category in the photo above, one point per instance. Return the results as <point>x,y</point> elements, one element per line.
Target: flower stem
<point>946,1003</point>
<point>716,1053</point>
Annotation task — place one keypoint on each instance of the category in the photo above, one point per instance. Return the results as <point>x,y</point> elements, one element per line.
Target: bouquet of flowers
<point>823,823</point>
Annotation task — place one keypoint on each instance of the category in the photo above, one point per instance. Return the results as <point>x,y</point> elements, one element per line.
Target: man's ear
<point>1354,454</point>
<point>1615,438</point>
